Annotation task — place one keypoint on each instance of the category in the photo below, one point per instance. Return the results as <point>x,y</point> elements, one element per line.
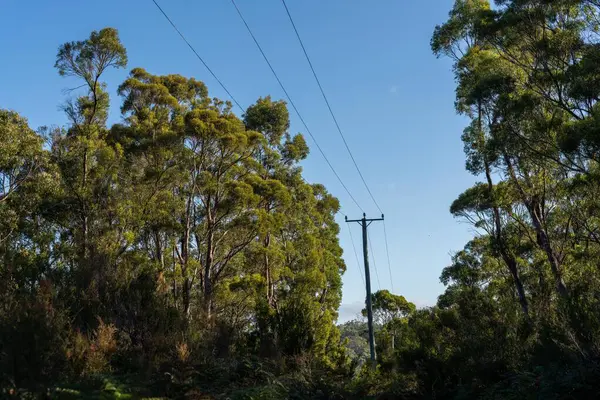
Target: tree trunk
<point>543,242</point>
<point>159,251</point>
<point>268,277</point>
<point>505,253</point>
<point>85,225</point>
<point>534,207</point>
<point>514,271</point>
<point>208,266</point>
<point>185,247</point>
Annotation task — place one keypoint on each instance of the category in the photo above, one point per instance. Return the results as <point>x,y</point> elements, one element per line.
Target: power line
<point>329,106</point>
<point>197,55</point>
<point>293,105</point>
<point>387,251</point>
<point>355,254</point>
<point>374,263</point>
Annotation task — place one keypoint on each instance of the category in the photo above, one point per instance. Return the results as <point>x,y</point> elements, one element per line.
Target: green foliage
<point>269,117</point>
<point>21,159</point>
<point>355,335</point>
<point>388,306</point>
<point>184,245</point>
<point>519,316</point>
<point>171,244</point>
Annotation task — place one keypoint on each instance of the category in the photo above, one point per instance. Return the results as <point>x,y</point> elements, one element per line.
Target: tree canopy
<point>182,231</point>
<point>181,252</point>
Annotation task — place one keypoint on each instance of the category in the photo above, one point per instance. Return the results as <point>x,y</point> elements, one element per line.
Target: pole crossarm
<point>365,219</point>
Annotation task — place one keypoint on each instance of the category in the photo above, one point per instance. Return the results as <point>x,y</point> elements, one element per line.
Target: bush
<point>32,347</point>
<point>91,355</point>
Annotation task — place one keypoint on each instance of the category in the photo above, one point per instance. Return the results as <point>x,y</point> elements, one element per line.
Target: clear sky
<point>393,99</point>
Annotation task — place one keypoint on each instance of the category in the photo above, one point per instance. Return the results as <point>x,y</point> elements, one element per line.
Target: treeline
<point>182,239</point>
<point>182,245</point>
<point>520,317</point>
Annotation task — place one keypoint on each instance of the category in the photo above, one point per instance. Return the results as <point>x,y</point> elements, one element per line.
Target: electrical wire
<point>355,253</point>
<point>329,107</point>
<point>387,251</point>
<point>197,55</point>
<point>374,263</point>
<point>289,14</point>
<point>293,105</point>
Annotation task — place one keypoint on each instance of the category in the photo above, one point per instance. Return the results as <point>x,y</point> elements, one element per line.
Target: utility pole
<point>364,223</point>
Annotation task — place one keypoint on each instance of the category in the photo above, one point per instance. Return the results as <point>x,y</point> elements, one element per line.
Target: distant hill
<point>356,332</point>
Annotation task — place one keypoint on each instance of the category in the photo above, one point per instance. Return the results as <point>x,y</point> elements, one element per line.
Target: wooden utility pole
<point>364,223</point>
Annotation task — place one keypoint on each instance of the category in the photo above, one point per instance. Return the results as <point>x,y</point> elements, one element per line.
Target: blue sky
<point>392,97</point>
